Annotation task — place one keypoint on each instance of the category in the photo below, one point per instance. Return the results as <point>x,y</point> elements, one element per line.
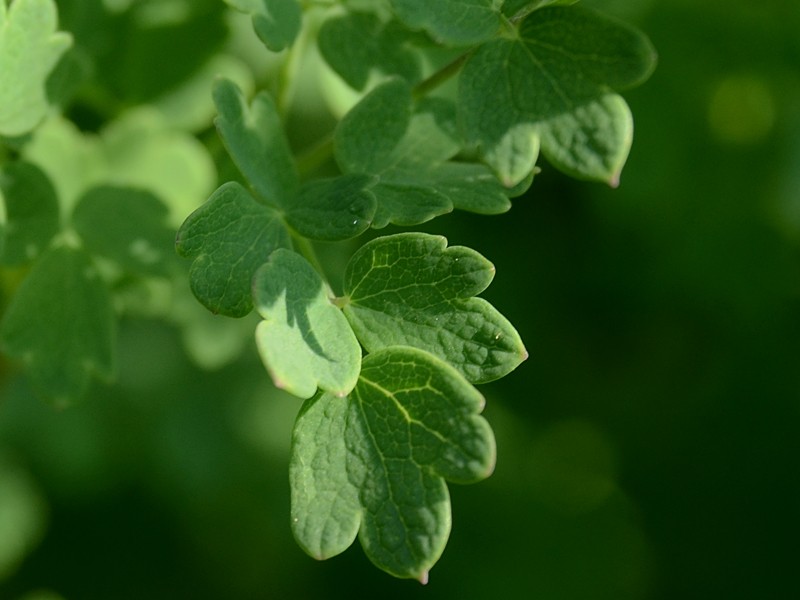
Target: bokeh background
<point>648,448</point>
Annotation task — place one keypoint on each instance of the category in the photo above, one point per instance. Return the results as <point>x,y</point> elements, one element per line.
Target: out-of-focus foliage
<point>646,449</point>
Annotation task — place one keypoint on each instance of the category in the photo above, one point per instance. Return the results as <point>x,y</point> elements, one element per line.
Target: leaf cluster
<point>449,105</point>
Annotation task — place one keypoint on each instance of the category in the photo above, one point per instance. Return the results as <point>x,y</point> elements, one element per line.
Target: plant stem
<point>305,248</point>
<point>316,156</point>
<point>440,76</point>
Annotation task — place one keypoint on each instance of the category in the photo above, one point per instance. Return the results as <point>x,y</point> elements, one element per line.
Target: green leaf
<point>254,137</point>
<point>514,156</point>
<point>333,209</point>
<point>304,341</point>
<point>453,22</point>
<point>592,141</point>
<point>61,325</point>
<point>521,8</point>
<point>3,224</point>
<point>157,45</point>
<point>229,237</point>
<point>30,47</point>
<point>140,149</point>
<point>71,73</point>
<point>356,45</point>
<point>562,60</point>
<point>408,147</point>
<point>410,289</point>
<point>126,225</point>
<point>276,22</point>
<point>190,105</point>
<point>23,516</point>
<point>375,463</point>
<point>32,212</point>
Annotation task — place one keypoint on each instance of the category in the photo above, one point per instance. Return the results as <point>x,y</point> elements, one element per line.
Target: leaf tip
<point>613,182</point>
<point>423,577</point>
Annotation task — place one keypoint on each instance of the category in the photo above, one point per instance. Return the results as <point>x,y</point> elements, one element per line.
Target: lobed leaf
<point>30,47</point>
<point>358,44</point>
<point>229,238</point>
<point>333,209</point>
<point>374,464</point>
<point>31,209</point>
<point>410,289</point>
<point>126,225</point>
<point>408,147</point>
<point>61,324</point>
<point>453,22</point>
<point>255,139</point>
<point>305,341</point>
<point>563,60</point>
<point>592,141</point>
<point>276,22</point>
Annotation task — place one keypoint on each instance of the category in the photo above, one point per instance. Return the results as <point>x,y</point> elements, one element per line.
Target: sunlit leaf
<point>374,463</point>
<point>592,141</point>
<point>410,289</point>
<point>30,47</point>
<point>304,340</point>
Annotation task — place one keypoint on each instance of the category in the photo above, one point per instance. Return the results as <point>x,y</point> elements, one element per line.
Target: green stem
<point>298,51</point>
<point>287,75</point>
<point>306,249</point>
<point>316,156</point>
<point>441,76</point>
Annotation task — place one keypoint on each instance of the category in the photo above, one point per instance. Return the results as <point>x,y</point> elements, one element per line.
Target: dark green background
<point>647,449</point>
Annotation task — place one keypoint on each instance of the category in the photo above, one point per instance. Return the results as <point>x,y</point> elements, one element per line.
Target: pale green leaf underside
<point>453,22</point>
<point>255,139</point>
<point>592,141</point>
<point>410,289</point>
<point>305,341</point>
<point>513,157</point>
<point>229,237</point>
<point>30,47</point>
<point>356,45</point>
<point>276,22</point>
<point>126,225</point>
<point>563,60</point>
<point>61,325</point>
<point>32,212</point>
<point>408,148</point>
<point>374,464</point>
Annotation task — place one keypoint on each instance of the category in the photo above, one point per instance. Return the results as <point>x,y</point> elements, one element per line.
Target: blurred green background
<point>648,448</point>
